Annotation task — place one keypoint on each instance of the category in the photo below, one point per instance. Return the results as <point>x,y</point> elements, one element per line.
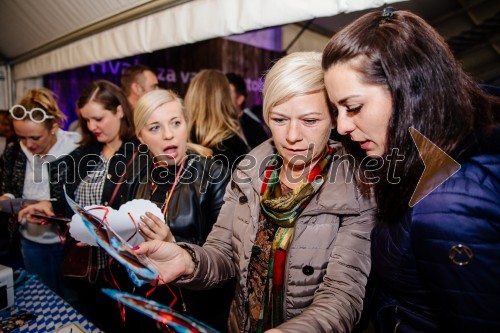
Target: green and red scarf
<point>280,210</point>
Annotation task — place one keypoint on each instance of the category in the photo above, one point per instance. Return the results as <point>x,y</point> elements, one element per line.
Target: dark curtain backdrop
<point>174,66</point>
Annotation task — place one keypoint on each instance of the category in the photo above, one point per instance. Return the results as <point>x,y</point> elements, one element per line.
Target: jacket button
<point>256,250</point>
<point>109,176</point>
<point>105,203</point>
<point>307,270</point>
<point>243,199</point>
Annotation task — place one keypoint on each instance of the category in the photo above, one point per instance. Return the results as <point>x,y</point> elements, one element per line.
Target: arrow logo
<point>439,166</point>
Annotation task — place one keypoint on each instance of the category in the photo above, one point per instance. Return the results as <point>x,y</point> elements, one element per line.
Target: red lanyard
<point>167,200</point>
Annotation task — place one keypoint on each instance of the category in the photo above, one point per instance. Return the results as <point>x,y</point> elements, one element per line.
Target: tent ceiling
<point>35,25</point>
<point>32,27</point>
<point>471,28</point>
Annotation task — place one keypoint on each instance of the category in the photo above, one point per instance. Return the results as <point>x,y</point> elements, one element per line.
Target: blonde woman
<point>187,187</point>
<point>95,178</point>
<point>36,121</point>
<point>213,120</point>
<point>296,238</point>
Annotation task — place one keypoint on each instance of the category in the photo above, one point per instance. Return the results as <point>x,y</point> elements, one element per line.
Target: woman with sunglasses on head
<point>294,228</point>
<point>189,189</point>
<point>31,166</point>
<point>436,262</point>
<point>99,177</point>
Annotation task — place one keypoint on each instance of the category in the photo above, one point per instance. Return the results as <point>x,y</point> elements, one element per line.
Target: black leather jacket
<point>197,198</point>
<point>192,211</point>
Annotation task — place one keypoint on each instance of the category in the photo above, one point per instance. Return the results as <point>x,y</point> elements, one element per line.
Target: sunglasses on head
<point>37,115</point>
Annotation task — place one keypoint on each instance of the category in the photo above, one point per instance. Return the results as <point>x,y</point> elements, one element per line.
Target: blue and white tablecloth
<point>51,310</point>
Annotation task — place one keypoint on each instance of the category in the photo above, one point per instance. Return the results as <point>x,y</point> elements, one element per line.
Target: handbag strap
<point>117,187</point>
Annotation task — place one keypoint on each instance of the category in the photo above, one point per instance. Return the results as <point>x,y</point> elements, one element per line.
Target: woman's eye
<point>354,109</point>
<point>278,120</point>
<point>310,121</point>
<point>154,128</point>
<point>176,123</point>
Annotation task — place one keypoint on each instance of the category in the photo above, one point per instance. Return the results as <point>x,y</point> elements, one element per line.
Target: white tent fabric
<point>309,41</point>
<point>187,23</point>
<point>5,92</point>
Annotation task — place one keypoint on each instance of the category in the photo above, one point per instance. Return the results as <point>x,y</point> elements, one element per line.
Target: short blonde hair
<point>151,101</point>
<point>296,74</point>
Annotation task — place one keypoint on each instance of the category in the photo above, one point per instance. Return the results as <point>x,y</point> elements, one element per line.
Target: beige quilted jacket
<point>328,259</point>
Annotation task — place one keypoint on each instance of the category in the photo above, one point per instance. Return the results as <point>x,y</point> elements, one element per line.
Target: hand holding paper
<point>104,235</point>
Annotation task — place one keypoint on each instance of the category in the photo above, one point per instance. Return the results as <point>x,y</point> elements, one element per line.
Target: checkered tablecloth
<point>51,310</point>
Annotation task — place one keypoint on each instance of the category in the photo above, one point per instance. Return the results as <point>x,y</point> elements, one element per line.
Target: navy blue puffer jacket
<point>438,268</point>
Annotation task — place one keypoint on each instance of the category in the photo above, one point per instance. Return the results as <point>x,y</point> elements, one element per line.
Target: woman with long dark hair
<point>437,263</point>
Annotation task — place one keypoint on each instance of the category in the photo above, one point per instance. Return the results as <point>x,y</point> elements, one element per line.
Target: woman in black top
<point>188,188</point>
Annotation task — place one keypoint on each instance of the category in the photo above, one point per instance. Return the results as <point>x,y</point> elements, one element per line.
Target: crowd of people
<point>292,232</point>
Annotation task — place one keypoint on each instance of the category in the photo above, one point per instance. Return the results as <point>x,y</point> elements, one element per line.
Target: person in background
<point>7,134</point>
<point>253,128</point>
<point>213,117</point>
<point>31,166</point>
<point>436,264</point>
<point>293,230</point>
<point>190,205</point>
<point>107,147</point>
<point>137,80</point>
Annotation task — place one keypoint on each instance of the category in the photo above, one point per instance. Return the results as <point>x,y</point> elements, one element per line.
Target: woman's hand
<point>4,197</point>
<point>153,227</point>
<point>43,207</point>
<point>170,260</point>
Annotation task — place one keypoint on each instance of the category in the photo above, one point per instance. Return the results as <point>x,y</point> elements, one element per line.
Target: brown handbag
<point>80,263</point>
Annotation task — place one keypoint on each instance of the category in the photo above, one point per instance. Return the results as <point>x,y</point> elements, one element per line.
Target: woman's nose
<point>91,125</point>
<point>167,134</point>
<point>294,132</point>
<point>345,123</point>
<point>29,143</point>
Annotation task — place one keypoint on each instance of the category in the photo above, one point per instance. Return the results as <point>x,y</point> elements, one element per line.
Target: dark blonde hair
<point>212,115</point>
<point>45,99</point>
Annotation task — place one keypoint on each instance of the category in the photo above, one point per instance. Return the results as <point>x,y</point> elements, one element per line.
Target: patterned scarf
<point>276,227</point>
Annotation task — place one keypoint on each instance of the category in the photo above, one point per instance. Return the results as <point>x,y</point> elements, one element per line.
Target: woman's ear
<point>119,111</point>
<point>139,137</point>
<point>54,128</point>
